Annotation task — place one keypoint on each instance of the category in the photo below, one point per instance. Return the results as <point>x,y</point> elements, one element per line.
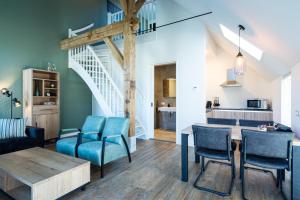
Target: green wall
<point>30,34</point>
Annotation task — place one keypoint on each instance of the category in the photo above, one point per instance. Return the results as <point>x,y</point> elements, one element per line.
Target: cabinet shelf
<point>42,110</point>
<point>43,79</point>
<point>44,96</point>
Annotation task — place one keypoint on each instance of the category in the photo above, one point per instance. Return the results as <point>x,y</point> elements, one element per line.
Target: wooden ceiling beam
<point>138,5</point>
<point>124,5</point>
<point>115,51</point>
<point>94,36</point>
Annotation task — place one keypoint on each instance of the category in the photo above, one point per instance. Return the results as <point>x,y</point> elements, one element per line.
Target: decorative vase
<point>37,90</point>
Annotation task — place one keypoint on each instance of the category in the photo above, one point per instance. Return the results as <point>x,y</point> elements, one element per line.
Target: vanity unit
<point>167,118</point>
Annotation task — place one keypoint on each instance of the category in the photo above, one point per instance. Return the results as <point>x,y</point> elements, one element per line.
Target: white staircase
<point>94,65</point>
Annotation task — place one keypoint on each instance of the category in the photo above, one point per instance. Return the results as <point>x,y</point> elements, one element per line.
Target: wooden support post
<point>124,6</point>
<point>129,65</point>
<point>130,27</point>
<point>138,5</point>
<point>114,50</point>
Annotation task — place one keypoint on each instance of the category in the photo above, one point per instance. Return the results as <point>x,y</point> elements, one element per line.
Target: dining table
<point>235,135</point>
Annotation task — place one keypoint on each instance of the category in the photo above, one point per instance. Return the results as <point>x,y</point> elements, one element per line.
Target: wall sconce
<point>13,101</point>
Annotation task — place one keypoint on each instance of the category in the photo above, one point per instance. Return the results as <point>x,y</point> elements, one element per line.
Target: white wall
<point>254,85</point>
<point>296,99</point>
<point>276,99</point>
<point>184,44</point>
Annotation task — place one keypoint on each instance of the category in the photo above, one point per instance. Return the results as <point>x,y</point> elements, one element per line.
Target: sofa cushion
<point>12,128</point>
<point>116,126</point>
<point>68,145</point>
<point>266,162</point>
<point>91,151</point>
<point>17,144</point>
<point>92,126</point>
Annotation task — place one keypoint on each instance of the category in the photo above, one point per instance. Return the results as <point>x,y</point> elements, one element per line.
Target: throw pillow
<point>12,128</point>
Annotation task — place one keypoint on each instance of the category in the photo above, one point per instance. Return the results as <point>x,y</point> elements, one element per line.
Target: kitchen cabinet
<point>242,114</point>
<point>228,114</point>
<point>167,120</point>
<point>259,115</point>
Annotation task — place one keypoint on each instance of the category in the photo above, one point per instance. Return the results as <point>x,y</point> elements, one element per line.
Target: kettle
<point>208,104</point>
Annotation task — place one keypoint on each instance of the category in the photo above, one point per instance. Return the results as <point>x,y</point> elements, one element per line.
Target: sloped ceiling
<point>271,25</point>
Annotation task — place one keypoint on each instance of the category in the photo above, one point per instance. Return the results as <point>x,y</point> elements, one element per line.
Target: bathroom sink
<point>167,109</point>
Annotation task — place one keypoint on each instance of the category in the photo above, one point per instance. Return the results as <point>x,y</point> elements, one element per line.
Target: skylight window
<point>245,45</point>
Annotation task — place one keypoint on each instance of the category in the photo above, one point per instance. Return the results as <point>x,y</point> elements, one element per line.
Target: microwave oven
<point>257,103</point>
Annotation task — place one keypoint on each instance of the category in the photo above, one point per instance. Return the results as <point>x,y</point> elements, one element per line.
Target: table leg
<point>184,157</point>
<point>197,158</point>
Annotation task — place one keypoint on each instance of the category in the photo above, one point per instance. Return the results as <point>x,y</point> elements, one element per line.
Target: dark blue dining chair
<point>215,144</point>
<point>267,150</point>
<point>221,121</point>
<point>254,123</point>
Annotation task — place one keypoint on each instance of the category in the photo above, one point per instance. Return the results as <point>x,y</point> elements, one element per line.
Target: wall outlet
<point>297,113</point>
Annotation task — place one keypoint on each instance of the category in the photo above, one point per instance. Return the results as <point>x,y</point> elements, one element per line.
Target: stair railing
<point>146,16</point>
<point>92,65</point>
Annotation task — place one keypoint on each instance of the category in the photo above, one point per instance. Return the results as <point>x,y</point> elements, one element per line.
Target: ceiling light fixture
<point>246,46</point>
<point>239,67</point>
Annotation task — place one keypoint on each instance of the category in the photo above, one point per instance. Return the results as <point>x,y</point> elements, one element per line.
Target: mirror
<point>169,87</point>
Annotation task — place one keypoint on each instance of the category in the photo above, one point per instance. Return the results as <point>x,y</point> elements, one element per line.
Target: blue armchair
<point>69,139</point>
<point>112,146</point>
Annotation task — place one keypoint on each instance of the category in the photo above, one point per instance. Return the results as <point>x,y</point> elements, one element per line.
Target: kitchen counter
<point>242,109</point>
<point>240,113</point>
<point>167,109</point>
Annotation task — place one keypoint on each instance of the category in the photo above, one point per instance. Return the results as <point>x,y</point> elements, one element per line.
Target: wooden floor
<point>155,174</point>
<point>164,135</point>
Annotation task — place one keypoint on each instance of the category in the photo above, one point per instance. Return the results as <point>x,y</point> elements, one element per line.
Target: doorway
<point>165,102</point>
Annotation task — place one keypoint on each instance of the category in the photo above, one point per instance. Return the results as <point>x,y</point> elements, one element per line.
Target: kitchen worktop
<point>167,109</point>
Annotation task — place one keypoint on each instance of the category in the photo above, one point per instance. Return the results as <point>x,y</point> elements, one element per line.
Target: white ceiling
<point>271,25</point>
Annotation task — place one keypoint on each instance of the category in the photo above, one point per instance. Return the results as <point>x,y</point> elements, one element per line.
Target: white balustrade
<point>86,58</point>
<point>146,16</point>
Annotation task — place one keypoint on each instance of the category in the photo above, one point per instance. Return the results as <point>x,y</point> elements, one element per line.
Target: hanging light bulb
<point>240,64</point>
<point>239,67</point>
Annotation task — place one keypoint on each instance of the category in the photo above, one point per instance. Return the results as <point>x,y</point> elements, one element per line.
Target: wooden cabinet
<point>242,114</point>
<point>50,122</point>
<point>228,114</point>
<point>41,90</point>
<point>259,116</point>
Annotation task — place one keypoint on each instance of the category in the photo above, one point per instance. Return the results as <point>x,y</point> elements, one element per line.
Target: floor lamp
<point>13,101</point>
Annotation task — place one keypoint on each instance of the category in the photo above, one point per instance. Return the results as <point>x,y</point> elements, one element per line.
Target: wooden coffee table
<point>41,174</point>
